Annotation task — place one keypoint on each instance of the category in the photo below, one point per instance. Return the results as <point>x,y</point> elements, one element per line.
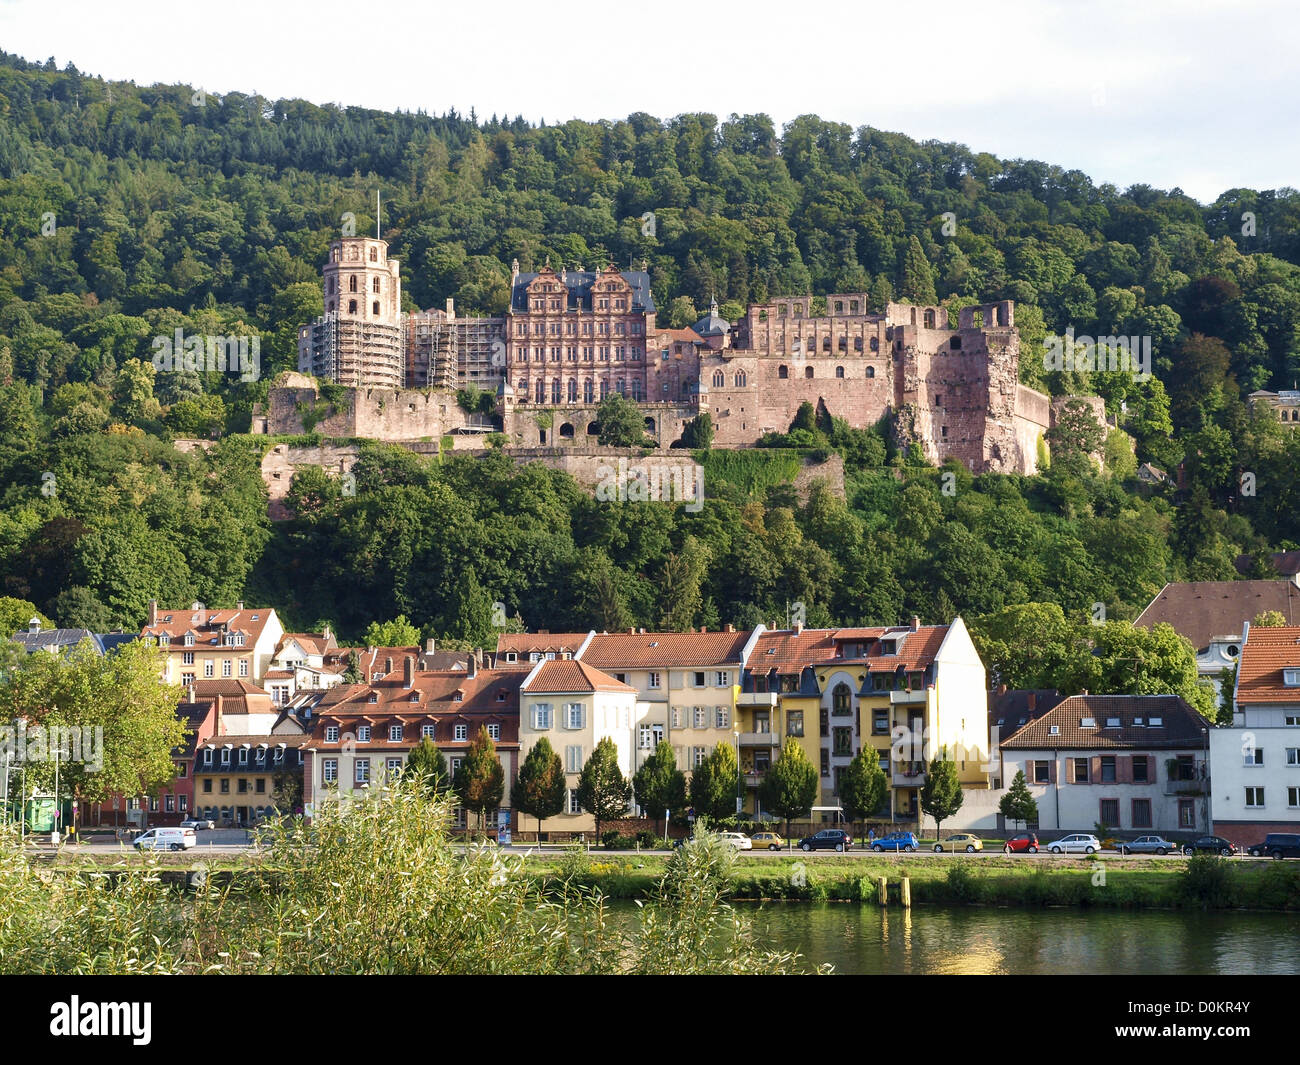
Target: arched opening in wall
<point>929,319</point>
<point>783,372</point>
<point>871,371</point>
<point>649,425</point>
<point>352,283</point>
<point>566,431</point>
<point>875,344</point>
<point>588,392</point>
<point>1000,314</point>
<point>914,316</point>
<point>352,306</point>
<point>977,319</point>
<point>807,371</point>
<point>741,379</point>
<point>573,392</point>
<point>593,428</point>
<point>826,343</point>
<point>844,344</point>
<point>762,316</point>
<point>637,397</point>
<point>719,379</point>
<point>839,371</point>
<point>541,436</point>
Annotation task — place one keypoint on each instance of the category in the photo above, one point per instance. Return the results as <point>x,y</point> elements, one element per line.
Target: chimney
<point>239,605</point>
<point>916,623</point>
<point>388,666</point>
<point>632,631</point>
<point>153,611</point>
<point>216,716</point>
<point>408,672</point>
<point>704,628</point>
<point>471,666</point>
<point>326,634</point>
<point>430,645</point>
<point>1084,691</point>
<point>34,625</point>
<point>728,627</point>
<point>798,628</point>
<point>1032,701</point>
<point>193,694</point>
<point>451,308</point>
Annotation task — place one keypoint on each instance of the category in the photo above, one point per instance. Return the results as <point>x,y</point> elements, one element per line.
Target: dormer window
<point>512,657</point>
<point>1054,730</point>
<point>1156,722</point>
<point>1088,722</point>
<point>1291,678</point>
<point>1139,722</point>
<point>164,640</point>
<point>458,697</point>
<point>501,695</point>
<point>1112,722</point>
<point>373,697</point>
<point>189,639</point>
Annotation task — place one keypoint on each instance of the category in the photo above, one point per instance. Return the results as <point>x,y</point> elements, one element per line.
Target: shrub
<point>963,885</point>
<point>1208,880</point>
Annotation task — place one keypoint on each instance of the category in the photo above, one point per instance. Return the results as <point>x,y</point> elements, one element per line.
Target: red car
<point>1026,841</point>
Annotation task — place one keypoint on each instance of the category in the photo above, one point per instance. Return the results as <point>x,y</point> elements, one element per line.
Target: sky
<point>1195,94</point>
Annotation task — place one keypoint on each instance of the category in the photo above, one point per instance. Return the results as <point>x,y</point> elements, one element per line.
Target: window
<point>331,734</point>
<point>427,731</point>
<point>719,379</point>
<point>461,732</point>
<point>361,771</point>
<point>363,733</point>
<point>843,741</point>
<point>644,742</point>
<point>169,803</point>
<point>701,717</point>
<point>243,756</point>
<point>654,680</point>
<point>1108,772</point>
<point>225,756</point>
<point>1254,798</point>
<point>1293,756</point>
<point>185,803</point>
<point>541,716</point>
<point>1291,719</point>
<point>1293,797</point>
<point>260,786</point>
<point>1141,813</point>
<point>794,723</point>
<point>1291,678</point>
<point>1112,722</point>
<point>697,757</point>
<point>187,658</point>
<point>808,371</point>
<point>207,756</point>
<point>826,762</point>
<point>330,770</point>
<point>1088,722</point>
<point>243,667</point>
<point>573,759</point>
<point>721,680</point>
<point>394,733</point>
<point>225,785</point>
<point>494,732</point>
<point>839,371</point>
<point>677,717</point>
<point>841,700</point>
<point>209,668</point>
<point>1042,772</point>
<point>1141,775</point>
<point>697,680</point>
<point>392,767</point>
<point>573,715</point>
<point>1080,770</point>
<point>880,720</point>
<point>721,717</point>
<point>575,807</point>
<point>783,373</point>
<point>1253,756</point>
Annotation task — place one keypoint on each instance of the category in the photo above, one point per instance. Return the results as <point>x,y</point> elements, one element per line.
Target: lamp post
<point>740,779</point>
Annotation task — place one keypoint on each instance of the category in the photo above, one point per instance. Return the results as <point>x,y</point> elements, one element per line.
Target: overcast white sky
<point>1198,94</point>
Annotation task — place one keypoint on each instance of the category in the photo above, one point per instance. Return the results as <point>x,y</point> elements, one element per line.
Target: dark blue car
<point>895,841</point>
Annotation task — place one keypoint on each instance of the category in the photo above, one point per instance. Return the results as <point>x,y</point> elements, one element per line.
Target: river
<point>863,939</point>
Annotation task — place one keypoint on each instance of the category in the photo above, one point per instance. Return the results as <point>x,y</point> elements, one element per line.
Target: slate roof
<point>56,639</point>
<point>1202,610</point>
<point>578,283</point>
<point>1264,655</point>
<point>1011,709</point>
<point>1180,725</point>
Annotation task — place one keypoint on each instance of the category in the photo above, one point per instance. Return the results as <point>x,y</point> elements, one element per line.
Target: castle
<point>571,338</point>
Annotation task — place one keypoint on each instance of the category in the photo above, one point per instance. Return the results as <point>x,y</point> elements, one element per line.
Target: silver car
<point>1146,845</point>
<point>1077,843</point>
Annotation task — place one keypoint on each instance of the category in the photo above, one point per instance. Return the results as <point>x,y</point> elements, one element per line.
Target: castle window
<point>331,288</point>
<point>588,391</point>
<point>762,316</point>
<point>374,284</point>
<point>943,431</point>
<point>541,392</point>
<point>871,371</point>
<point>798,310</point>
<point>875,344</point>
<point>376,306</point>
<point>781,311</point>
<point>839,306</point>
<point>352,306</point>
<point>334,255</point>
<point>929,319</point>
<point>783,372</point>
<point>808,371</point>
<point>844,344</point>
<point>826,343</point>
<point>853,306</point>
<point>839,371</point>
<point>938,399</point>
<point>573,398</point>
<point>374,255</point>
<point>741,379</point>
<point>719,379</point>
<point>331,306</point>
<point>555,391</point>
<point>955,343</point>
<point>620,387</point>
<point>604,389</point>
<point>352,283</point>
<point>636,389</point>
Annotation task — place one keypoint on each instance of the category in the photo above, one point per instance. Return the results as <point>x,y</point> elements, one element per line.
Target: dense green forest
<point>128,212</point>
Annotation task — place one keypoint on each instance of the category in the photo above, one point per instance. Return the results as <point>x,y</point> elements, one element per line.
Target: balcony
<point>752,780</point>
<point>1187,787</point>
<point>909,775</point>
<point>756,699</point>
<point>906,698</point>
<point>760,739</point>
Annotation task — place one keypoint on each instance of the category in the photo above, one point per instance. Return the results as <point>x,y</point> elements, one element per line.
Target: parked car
<point>895,841</point>
<point>770,840</point>
<point>1278,845</point>
<point>827,839</point>
<point>737,839</point>
<point>1146,845</point>
<point>1210,845</point>
<point>165,839</point>
<point>1075,843</point>
<point>1026,841</point>
<point>962,841</point>
<point>198,823</point>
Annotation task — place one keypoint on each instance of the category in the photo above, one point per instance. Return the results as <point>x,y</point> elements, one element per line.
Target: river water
<point>865,939</point>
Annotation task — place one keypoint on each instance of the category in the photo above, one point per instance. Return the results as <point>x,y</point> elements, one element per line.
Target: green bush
<point>963,885</point>
<point>1209,881</point>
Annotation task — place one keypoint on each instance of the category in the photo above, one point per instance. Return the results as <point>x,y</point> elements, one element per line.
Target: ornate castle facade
<point>572,337</point>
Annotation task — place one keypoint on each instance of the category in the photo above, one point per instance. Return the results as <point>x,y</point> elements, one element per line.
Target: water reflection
<point>867,939</point>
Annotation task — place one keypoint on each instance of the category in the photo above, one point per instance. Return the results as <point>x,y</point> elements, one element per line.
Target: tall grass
<point>371,886</point>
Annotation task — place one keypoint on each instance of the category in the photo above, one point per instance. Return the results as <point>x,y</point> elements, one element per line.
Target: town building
<point>202,644</point>
<point>1256,760</point>
<point>1284,405</point>
<point>1136,764</point>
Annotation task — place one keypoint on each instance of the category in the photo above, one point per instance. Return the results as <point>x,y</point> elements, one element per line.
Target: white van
<point>165,839</point>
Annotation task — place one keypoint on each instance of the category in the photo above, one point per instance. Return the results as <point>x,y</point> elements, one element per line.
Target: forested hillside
<point>127,212</point>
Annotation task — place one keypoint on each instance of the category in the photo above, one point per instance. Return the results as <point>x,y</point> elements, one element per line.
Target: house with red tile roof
<point>575,706</point>
<point>203,644</point>
<point>1255,762</point>
<point>362,733</point>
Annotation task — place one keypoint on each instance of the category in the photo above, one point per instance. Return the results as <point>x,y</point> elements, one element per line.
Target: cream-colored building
<point>203,644</point>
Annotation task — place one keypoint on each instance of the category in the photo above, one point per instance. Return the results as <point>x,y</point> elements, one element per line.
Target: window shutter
<point>1124,769</point>
<point>1051,771</point>
<point>1094,769</point>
